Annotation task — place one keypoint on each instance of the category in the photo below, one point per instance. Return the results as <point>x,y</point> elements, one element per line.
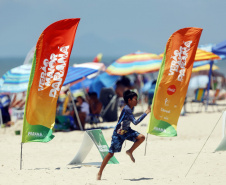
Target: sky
<point>113,28</point>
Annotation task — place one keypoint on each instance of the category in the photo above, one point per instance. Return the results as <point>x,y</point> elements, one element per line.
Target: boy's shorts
<point>117,140</point>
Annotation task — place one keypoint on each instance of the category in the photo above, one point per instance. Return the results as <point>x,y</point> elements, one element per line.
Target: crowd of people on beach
<point>87,107</point>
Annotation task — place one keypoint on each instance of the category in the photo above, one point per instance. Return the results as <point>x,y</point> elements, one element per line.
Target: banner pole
<point>146,145</point>
<point>1,120</point>
<point>21,155</point>
<point>208,86</point>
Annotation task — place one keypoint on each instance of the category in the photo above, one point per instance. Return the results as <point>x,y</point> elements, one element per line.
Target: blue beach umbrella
<point>80,71</point>
<point>15,80</point>
<point>220,49</point>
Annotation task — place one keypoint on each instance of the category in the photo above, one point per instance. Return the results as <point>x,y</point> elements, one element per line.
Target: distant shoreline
<point>8,63</point>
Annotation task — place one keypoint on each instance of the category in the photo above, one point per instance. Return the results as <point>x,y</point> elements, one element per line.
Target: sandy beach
<point>167,160</point>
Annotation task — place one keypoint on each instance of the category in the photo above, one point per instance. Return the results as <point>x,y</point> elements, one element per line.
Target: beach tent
<point>84,84</point>
<point>103,80</point>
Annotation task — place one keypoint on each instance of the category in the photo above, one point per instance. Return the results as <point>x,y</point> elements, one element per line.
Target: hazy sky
<point>114,28</point>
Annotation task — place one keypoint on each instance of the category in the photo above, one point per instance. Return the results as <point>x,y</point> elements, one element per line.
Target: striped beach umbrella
<point>205,67</point>
<point>138,62</point>
<point>15,80</point>
<point>202,55</point>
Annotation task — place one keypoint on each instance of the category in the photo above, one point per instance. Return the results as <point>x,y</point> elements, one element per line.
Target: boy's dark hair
<point>128,94</point>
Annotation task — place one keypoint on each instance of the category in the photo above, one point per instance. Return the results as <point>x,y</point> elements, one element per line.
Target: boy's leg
<point>139,139</point>
<point>104,163</point>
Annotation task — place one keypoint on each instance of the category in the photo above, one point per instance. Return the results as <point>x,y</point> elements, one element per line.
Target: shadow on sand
<point>140,179</point>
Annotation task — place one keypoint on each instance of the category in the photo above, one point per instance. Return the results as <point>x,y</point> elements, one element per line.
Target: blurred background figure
<point>219,81</point>
<point>151,92</point>
<point>122,85</point>
<point>4,105</point>
<point>83,111</point>
<point>95,107</point>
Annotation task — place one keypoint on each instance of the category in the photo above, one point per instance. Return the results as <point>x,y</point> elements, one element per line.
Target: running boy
<point>123,130</point>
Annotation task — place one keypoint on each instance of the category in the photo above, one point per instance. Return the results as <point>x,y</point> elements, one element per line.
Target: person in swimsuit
<point>123,130</point>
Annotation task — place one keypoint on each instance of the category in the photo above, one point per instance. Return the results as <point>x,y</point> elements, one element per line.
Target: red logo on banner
<point>171,89</point>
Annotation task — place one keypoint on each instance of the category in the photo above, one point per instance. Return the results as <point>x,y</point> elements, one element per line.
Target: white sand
<point>167,160</point>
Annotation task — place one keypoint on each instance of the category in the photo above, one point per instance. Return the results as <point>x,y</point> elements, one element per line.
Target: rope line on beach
<point>204,143</point>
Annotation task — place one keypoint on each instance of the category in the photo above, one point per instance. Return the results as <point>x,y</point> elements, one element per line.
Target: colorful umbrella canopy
<point>138,62</point>
<point>202,55</point>
<point>204,68</point>
<point>220,49</point>
<point>80,71</point>
<point>16,80</point>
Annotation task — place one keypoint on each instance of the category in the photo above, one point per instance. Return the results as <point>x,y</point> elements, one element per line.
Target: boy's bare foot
<point>131,155</point>
<point>98,176</point>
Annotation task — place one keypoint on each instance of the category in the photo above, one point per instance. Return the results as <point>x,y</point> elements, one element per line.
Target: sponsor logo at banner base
<point>160,129</point>
<point>103,148</point>
<point>35,134</point>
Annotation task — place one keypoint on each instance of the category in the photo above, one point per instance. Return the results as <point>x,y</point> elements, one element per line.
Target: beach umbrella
<point>202,55</point>
<point>80,71</point>
<point>220,49</point>
<point>98,58</point>
<point>204,68</point>
<point>138,62</point>
<point>15,80</point>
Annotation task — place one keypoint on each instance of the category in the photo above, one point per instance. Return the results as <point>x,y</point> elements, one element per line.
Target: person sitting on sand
<point>95,106</point>
<point>123,130</point>
<point>83,110</point>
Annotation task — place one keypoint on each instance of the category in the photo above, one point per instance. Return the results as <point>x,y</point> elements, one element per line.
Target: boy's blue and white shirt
<point>126,117</point>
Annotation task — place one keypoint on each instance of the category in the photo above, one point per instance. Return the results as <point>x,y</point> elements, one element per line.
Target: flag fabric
<point>48,72</point>
<point>173,81</point>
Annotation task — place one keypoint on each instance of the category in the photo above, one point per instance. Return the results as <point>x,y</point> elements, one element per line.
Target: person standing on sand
<point>123,130</point>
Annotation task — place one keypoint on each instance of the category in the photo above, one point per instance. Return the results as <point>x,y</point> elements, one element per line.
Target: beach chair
<point>199,99</point>
<point>109,111</point>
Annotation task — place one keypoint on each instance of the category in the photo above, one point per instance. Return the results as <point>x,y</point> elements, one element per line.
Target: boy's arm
<point>132,118</point>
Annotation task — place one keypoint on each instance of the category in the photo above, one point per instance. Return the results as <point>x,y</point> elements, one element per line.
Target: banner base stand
<point>91,137</point>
